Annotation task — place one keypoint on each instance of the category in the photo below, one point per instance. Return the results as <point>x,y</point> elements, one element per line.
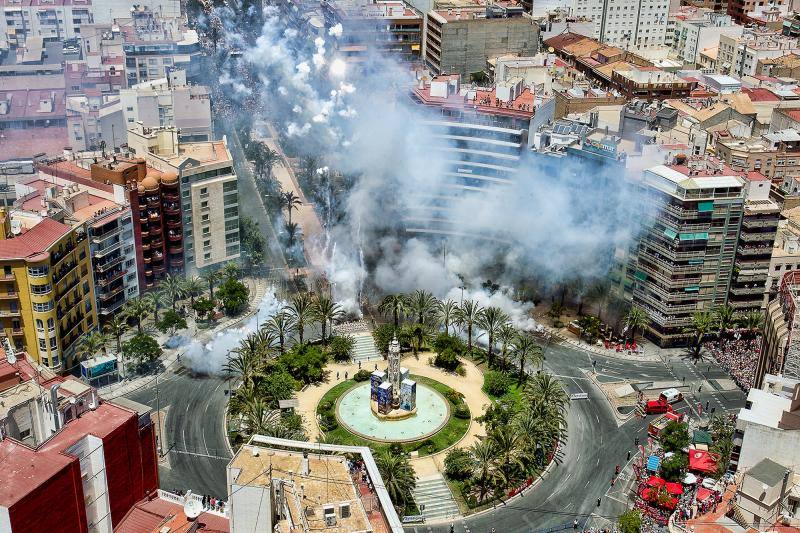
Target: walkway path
<point>468,385</point>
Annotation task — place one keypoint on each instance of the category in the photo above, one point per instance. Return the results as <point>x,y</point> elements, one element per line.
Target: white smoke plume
<point>209,357</point>
<point>553,221</point>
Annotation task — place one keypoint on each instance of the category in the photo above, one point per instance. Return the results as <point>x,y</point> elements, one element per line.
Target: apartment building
<point>46,288</point>
<point>780,353</point>
<point>482,135</point>
<point>72,461</point>
<point>754,250</point>
<point>785,66</point>
<point>698,29</point>
<point>275,485</point>
<point>629,25</point>
<point>154,45</point>
<point>739,56</point>
<point>649,83</point>
<point>170,101</point>
<point>776,155</point>
<point>741,10</point>
<point>683,260</point>
<point>389,27</point>
<point>459,41</point>
<point>57,20</point>
<point>209,197</point>
<point>785,252</point>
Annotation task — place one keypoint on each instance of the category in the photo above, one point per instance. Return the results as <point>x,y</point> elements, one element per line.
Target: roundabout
<point>355,413</point>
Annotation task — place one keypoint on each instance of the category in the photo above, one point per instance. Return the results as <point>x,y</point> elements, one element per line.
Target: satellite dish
<point>551,49</point>
<point>11,358</point>
<point>192,508</point>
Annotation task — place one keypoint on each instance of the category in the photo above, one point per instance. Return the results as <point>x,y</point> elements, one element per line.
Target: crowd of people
<point>738,356</point>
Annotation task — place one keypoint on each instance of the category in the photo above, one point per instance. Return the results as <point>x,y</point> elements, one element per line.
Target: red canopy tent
<point>703,461</point>
<point>674,488</point>
<point>655,481</point>
<point>703,494</point>
<point>651,495</point>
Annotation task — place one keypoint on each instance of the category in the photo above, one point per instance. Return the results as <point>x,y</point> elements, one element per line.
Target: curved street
<point>197,452</point>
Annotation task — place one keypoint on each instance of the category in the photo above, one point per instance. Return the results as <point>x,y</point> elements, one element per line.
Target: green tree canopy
<point>630,521</point>
<point>234,296</point>
<point>141,349</point>
<point>341,347</point>
<point>675,437</point>
<point>171,322</point>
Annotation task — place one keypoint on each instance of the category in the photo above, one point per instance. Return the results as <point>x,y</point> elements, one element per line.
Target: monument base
<point>394,414</point>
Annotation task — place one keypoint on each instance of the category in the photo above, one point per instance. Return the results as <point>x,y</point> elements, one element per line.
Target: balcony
<point>64,271</point>
<point>9,295</point>
<point>61,293</point>
<point>62,252</point>
<point>158,257</point>
<point>147,260</point>
<point>759,222</point>
<point>145,231</point>
<point>159,269</point>
<point>108,265</point>
<point>174,224</point>
<point>111,278</point>
<point>171,196</point>
<point>754,250</point>
<point>758,237</point>
<point>145,246</point>
<point>97,239</point>
<point>9,313</point>
<point>7,277</point>
<point>157,242</point>
<point>176,262</point>
<point>108,295</point>
<point>156,230</point>
<point>153,216</point>
<point>172,209</point>
<point>747,290</point>
<point>153,201</point>
<point>109,307</point>
<point>174,236</point>
<point>105,251</point>
<point>19,332</point>
<point>175,249</point>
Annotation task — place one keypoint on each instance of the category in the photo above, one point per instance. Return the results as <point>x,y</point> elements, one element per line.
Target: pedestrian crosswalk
<point>435,500</point>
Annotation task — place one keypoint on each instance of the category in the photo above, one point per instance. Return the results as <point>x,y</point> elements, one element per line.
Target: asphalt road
<point>595,445</point>
<point>193,431</point>
<point>197,453</point>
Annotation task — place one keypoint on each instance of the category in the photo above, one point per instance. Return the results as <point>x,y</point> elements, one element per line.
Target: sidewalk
<point>171,357</point>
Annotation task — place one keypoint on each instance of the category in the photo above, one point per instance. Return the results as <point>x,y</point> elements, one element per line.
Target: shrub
<point>458,464</point>
<point>327,422</point>
<point>362,375</point>
<point>447,359</point>
<point>496,383</point>
<point>444,341</point>
<point>341,347</point>
<point>630,521</point>
<point>454,396</point>
<point>462,411</point>
<point>461,371</point>
<point>304,362</point>
<point>204,306</point>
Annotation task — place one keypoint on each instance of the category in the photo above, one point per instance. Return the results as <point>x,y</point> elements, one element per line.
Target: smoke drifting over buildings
<point>552,221</point>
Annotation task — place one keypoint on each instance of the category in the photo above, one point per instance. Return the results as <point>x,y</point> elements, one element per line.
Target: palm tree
<point>269,158</point>
<point>138,309</point>
<point>398,476</point>
<point>446,313</point>
<point>281,325</point>
<point>193,288</point>
<point>290,201</point>
<point>636,319</point>
<point>490,321</point>
<point>174,288</point>
<point>467,315</point>
<point>485,471</point>
<point>325,311</point>
<point>702,325</point>
<point>265,343</point>
<point>506,335</point>
<point>116,327</point>
<point>231,270</point>
<point>525,349</point>
<point>211,277</point>
<point>422,306</point>
<point>302,308</point>
<point>724,318</point>
<point>291,233</point>
<point>244,361</point>
<point>507,445</point>
<point>394,305</point>
<point>547,390</point>
<point>753,321</point>
<point>91,344</point>
<point>158,299</point>
<point>599,293</point>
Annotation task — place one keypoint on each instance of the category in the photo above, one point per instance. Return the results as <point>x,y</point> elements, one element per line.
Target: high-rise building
<point>460,40</point>
<point>754,249</point>
<point>698,29</point>
<point>47,300</point>
<point>629,25</point>
<point>741,10</point>
<point>683,260</point>
<point>209,197</point>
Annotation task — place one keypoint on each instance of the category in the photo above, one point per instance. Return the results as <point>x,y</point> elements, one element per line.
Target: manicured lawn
<point>452,432</point>
<point>515,392</point>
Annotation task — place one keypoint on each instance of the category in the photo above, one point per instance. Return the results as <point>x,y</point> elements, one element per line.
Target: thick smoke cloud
<point>553,221</point>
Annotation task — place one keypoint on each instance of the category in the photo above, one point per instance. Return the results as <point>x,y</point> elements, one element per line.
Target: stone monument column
<point>394,371</point>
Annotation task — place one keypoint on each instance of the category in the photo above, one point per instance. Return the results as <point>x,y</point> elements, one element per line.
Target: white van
<point>671,395</point>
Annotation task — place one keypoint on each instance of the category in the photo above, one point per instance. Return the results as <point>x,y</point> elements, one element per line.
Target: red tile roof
<point>754,175</point>
<point>36,240</point>
<point>759,94</point>
<point>564,39</point>
<point>148,515</point>
<point>25,469</point>
<point>794,114</point>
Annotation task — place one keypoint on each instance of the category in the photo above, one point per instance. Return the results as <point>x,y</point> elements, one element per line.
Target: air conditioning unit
<point>329,511</point>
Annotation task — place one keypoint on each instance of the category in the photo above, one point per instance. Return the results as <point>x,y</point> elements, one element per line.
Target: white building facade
<point>636,24</point>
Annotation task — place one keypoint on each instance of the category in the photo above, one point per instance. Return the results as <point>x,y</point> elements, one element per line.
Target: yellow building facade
<point>47,301</point>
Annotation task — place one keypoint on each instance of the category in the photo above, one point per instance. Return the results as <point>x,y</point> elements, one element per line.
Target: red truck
<point>658,406</point>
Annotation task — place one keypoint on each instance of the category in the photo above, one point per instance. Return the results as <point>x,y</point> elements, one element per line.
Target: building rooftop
<point>768,472</point>
<point>33,242</point>
<point>481,100</point>
<point>766,408</point>
<point>153,514</point>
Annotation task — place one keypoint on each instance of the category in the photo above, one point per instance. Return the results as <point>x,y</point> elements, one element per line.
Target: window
<point>204,191</point>
<point>232,250</point>
<point>131,291</point>
<point>204,218</point>
<point>207,256</point>
<point>206,231</point>
<point>207,244</point>
<point>42,344</point>
<point>38,271</point>
<point>231,199</point>
<point>130,108</point>
<point>7,270</point>
<point>204,204</point>
<point>85,287</point>
<point>54,359</point>
<point>229,186</point>
<point>39,325</point>
<point>88,306</point>
<point>51,324</point>
<point>232,238</point>
<point>231,212</point>
<point>53,344</point>
<point>129,263</point>
<point>41,289</point>
<point>42,308</point>
<point>231,225</point>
